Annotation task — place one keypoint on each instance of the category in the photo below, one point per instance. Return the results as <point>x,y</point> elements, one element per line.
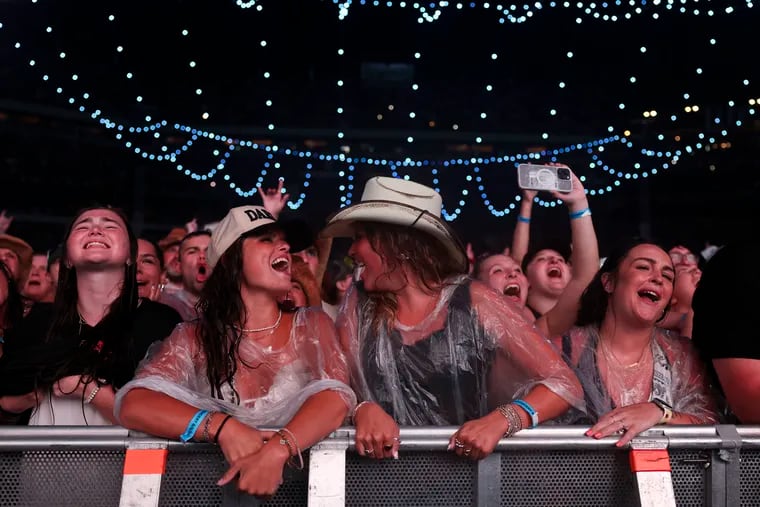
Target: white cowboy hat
<point>400,202</point>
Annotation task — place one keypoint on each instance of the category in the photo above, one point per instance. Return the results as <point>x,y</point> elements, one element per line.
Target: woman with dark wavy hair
<point>97,329</point>
<point>245,363</point>
<point>429,346</point>
<point>634,374</point>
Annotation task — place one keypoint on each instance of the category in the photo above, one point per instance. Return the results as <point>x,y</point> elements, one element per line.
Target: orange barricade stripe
<point>649,460</point>
<point>145,461</point>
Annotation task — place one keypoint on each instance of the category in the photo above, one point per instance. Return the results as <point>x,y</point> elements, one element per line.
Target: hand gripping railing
<point>668,465</point>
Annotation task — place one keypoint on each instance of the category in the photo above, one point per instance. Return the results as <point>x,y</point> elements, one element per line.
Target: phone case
<point>542,177</point>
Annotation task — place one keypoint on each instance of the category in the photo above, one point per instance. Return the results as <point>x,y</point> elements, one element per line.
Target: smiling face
<point>148,268</point>
<point>504,275</point>
<point>266,263</point>
<point>98,240</point>
<point>372,269</point>
<point>642,289</point>
<point>548,272</point>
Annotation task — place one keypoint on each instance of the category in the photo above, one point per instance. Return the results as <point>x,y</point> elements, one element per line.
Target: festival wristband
<point>192,426</point>
<point>530,410</point>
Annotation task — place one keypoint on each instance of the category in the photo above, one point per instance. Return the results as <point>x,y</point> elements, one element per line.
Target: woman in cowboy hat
<point>426,344</point>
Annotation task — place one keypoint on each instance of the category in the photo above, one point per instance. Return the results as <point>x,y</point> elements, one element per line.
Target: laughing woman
<point>245,363</point>
<point>72,357</point>
<point>634,374</point>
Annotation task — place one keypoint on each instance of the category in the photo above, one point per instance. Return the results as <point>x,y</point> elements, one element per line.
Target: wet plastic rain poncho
<point>473,352</point>
<point>269,385</point>
<point>672,373</point>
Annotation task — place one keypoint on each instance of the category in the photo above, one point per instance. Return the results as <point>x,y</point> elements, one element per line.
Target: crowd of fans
<point>252,322</point>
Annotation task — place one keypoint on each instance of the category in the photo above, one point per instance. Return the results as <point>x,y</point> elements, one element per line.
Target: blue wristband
<point>523,219</point>
<point>192,426</point>
<point>581,213</point>
<point>530,410</point>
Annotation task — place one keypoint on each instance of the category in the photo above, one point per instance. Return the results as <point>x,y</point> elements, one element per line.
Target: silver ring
<point>458,443</point>
<point>467,451</point>
<point>367,452</point>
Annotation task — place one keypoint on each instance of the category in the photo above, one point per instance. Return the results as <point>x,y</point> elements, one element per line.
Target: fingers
<point>378,445</point>
<point>628,435</point>
<point>465,447</point>
<point>606,426</point>
<point>262,486</point>
<point>230,474</point>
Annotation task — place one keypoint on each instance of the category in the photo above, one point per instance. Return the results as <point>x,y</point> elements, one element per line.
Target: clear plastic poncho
<point>270,390</point>
<point>671,371</point>
<point>474,352</point>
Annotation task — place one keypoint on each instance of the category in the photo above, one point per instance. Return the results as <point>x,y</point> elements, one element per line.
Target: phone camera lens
<point>563,174</point>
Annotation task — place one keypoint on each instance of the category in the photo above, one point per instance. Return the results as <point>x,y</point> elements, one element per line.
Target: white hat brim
<point>389,212</point>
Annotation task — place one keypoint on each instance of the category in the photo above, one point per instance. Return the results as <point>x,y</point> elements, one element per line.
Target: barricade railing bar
<point>687,466</point>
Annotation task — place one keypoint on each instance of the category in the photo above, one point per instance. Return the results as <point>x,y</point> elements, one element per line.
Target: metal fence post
<point>488,481</point>
<point>327,473</point>
<point>144,466</point>
<point>722,489</point>
<point>651,465</point>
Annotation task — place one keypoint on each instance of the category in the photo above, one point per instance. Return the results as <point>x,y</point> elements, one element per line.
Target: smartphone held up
<point>544,177</point>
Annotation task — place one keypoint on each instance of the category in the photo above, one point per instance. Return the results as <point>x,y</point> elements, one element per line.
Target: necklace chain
<point>260,329</point>
<point>610,354</point>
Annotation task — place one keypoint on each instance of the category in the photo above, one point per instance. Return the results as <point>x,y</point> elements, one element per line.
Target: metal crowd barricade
<point>108,466</point>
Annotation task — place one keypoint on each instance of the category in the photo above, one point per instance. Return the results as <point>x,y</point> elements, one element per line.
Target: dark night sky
<point>69,160</point>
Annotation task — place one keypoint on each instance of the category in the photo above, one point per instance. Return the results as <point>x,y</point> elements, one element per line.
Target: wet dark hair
<point>593,304</point>
<point>14,305</point>
<point>95,357</point>
<point>223,313</point>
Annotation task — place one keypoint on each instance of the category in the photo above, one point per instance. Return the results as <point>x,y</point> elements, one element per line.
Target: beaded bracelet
<point>92,395</point>
<point>206,426</point>
<point>293,448</point>
<point>513,419</point>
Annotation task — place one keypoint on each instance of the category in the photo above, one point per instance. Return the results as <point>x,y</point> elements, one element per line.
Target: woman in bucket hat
<point>426,344</point>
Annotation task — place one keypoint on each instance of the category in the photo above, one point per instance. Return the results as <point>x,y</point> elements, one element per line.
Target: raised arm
<point>584,260</point>
<point>521,236</point>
